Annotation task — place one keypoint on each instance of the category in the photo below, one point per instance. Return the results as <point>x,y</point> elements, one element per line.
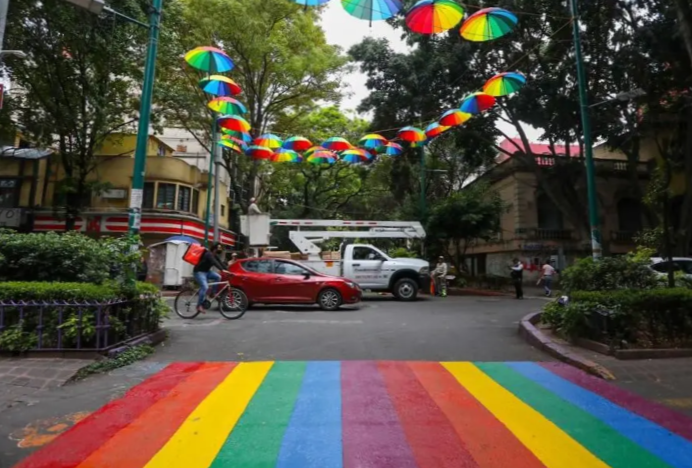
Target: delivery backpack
<point>193,254</point>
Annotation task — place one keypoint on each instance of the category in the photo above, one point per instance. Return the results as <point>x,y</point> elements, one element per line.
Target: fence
<point>83,326</point>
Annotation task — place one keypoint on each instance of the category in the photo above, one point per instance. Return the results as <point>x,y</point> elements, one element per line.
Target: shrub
<point>611,273</point>
<point>401,252</point>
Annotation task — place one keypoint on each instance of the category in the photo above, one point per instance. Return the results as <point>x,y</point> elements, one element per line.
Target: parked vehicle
<point>680,265</point>
<point>278,281</point>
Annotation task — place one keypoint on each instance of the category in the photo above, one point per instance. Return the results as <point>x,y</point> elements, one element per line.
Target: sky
<point>345,30</point>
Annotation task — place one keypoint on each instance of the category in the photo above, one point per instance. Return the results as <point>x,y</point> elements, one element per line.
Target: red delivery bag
<point>193,254</point>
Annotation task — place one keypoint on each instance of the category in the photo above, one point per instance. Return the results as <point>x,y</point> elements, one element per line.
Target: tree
<point>76,86</point>
<point>463,219</point>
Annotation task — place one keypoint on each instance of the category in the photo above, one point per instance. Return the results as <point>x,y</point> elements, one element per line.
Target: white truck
<point>365,264</point>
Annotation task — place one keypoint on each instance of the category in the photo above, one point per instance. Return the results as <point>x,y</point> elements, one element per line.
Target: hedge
<point>80,292</point>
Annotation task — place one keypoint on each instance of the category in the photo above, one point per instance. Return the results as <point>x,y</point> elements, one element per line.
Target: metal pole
<point>421,155</point>
<point>596,249</point>
<point>217,198</point>
<point>4,6</point>
<point>210,181</point>
<point>140,163</point>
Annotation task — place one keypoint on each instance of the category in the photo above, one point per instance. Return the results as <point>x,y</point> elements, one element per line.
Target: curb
<point>537,338</point>
<point>476,292</point>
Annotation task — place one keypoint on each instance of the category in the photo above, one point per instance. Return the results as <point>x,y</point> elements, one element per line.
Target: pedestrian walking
<point>440,277</point>
<point>517,275</point>
<point>547,275</point>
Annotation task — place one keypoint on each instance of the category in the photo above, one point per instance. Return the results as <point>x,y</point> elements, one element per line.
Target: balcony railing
<point>544,234</point>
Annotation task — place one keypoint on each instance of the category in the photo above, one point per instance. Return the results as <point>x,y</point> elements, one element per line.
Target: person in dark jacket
<point>204,274</point>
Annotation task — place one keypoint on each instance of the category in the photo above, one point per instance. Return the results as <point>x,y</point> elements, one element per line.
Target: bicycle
<point>233,303</point>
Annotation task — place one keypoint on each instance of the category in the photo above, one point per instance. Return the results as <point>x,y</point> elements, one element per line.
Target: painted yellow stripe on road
<point>196,443</point>
<point>547,441</point>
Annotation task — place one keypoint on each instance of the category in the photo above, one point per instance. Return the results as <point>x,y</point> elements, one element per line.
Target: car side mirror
<point>306,276</point>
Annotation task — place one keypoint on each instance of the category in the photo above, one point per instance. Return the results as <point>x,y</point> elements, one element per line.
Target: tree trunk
<point>682,7</point>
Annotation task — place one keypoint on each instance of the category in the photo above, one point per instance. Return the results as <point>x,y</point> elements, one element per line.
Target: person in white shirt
<point>253,209</point>
<point>517,275</point>
<point>440,277</point>
<point>547,275</point>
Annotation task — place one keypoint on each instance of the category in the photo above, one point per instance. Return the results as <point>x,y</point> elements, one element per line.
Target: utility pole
<point>217,198</point>
<point>4,6</point>
<point>137,192</point>
<point>210,181</point>
<point>596,249</point>
<point>421,155</point>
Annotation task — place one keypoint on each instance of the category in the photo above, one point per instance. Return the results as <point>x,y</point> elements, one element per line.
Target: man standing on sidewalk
<point>440,277</point>
<point>547,275</point>
<point>517,276</point>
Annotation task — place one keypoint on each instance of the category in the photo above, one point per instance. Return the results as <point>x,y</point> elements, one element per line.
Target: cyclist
<point>204,274</point>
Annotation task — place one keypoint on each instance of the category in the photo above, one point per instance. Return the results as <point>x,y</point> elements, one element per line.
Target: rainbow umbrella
<point>310,151</point>
<point>355,156</point>
<point>268,140</point>
<point>259,152</point>
<point>297,143</point>
<point>477,103</point>
<point>336,144</point>
<point>372,10</point>
<point>308,3</point>
<point>372,141</point>
<point>209,60</point>
<point>488,24</point>
<point>219,85</point>
<point>233,122</point>
<point>227,105</point>
<point>286,155</point>
<point>434,16</point>
<point>235,141</point>
<point>322,157</point>
<point>245,137</point>
<point>453,117</point>
<point>435,129</point>
<point>503,84</point>
<point>411,134</point>
<point>393,149</point>
<point>232,146</point>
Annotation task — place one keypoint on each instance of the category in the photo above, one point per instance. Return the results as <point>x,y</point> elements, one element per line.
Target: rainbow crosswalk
<point>373,414</point>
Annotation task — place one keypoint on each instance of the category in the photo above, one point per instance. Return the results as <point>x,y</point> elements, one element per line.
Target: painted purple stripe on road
<point>661,415</point>
<point>371,431</point>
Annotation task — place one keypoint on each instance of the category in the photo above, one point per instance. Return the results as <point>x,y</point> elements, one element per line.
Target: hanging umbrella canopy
<point>227,105</point>
<point>245,137</point>
<point>435,129</point>
<point>234,123</point>
<point>286,155</point>
<point>372,10</point>
<point>320,157</point>
<point>412,134</point>
<point>308,3</point>
<point>336,144</point>
<point>220,85</point>
<point>477,103</point>
<point>297,143</point>
<point>235,141</point>
<point>209,60</point>
<point>488,24</point>
<point>504,84</point>
<point>454,117</point>
<point>355,156</point>
<point>268,140</point>
<point>259,152</point>
<point>372,141</point>
<point>231,145</point>
<point>309,152</point>
<point>393,149</point>
<point>434,16</point>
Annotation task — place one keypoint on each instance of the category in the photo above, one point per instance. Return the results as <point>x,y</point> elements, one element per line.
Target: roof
<point>510,145</point>
<point>24,153</point>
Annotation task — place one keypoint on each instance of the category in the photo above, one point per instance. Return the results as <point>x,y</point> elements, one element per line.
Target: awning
<point>24,153</point>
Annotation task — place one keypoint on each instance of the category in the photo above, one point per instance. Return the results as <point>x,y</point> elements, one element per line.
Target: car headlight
<point>351,285</point>
<point>424,271</point>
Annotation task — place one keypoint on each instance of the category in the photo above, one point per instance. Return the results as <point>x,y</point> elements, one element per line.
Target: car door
<point>256,279</point>
<point>367,267</point>
<point>292,282</point>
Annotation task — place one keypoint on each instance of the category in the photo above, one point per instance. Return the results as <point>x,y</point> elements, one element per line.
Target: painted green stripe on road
<point>256,439</point>
<point>599,438</point>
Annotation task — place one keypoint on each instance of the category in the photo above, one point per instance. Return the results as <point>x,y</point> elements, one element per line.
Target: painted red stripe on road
<point>432,437</point>
<point>75,445</point>
<point>654,412</point>
<point>137,443</point>
<point>488,441</point>
<point>371,433</point>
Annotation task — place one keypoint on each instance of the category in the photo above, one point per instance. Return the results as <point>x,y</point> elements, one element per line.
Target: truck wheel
<point>329,299</point>
<point>406,289</point>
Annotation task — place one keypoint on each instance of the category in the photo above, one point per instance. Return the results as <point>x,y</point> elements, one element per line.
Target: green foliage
<point>610,273</point>
<point>127,357</point>
<point>402,252</point>
<point>15,340</point>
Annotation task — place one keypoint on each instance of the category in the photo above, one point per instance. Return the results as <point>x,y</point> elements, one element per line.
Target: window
<point>662,267</point>
<point>365,253</point>
<point>629,215</point>
<point>223,210</point>
<point>165,197</point>
<point>195,202</point>
<point>285,268</point>
<point>549,215</point>
<point>184,198</point>
<point>258,266</point>
<point>161,150</point>
<point>9,193</point>
<point>148,196</point>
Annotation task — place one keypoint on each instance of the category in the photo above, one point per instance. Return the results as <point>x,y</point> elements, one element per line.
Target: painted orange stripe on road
<point>137,443</point>
<point>490,443</point>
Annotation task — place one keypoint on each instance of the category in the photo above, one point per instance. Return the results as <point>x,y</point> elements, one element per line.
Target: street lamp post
<point>423,207</point>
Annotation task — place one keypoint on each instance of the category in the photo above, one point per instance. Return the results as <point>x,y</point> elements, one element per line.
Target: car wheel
<point>406,289</point>
<point>329,299</point>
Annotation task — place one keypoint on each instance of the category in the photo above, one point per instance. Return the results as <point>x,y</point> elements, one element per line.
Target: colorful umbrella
<point>393,149</point>
<point>372,10</point>
<point>411,134</point>
<point>286,155</point>
<point>488,24</point>
<point>235,141</point>
<point>227,105</point>
<point>268,140</point>
<point>245,137</point>
<point>219,85</point>
<point>322,157</point>
<point>310,151</point>
<point>336,144</point>
<point>232,146</point>
<point>477,103</point>
<point>297,143</point>
<point>454,117</point>
<point>372,141</point>
<point>434,16</point>
<point>209,60</point>
<point>435,129</point>
<point>504,83</point>
<point>308,3</point>
<point>233,122</point>
<point>355,156</point>
<point>259,152</point>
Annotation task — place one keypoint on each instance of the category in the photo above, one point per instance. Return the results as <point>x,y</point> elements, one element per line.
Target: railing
<point>69,325</point>
<point>544,234</point>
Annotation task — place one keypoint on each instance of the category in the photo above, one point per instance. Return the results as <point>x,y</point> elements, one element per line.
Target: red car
<point>278,281</point>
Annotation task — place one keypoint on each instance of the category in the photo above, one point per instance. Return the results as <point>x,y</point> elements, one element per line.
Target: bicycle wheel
<point>186,303</point>
<point>233,305</point>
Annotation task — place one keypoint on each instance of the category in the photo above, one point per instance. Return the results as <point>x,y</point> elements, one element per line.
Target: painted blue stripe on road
<point>666,445</point>
<point>313,436</point>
